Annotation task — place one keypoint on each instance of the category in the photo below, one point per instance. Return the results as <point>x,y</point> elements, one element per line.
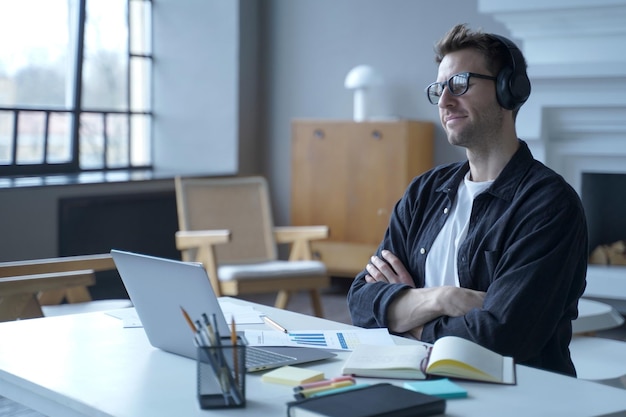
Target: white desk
<point>89,365</point>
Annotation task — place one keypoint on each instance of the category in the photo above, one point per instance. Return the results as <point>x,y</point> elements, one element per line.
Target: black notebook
<point>383,400</point>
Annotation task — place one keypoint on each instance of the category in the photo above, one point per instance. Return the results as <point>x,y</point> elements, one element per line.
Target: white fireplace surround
<point>575,118</point>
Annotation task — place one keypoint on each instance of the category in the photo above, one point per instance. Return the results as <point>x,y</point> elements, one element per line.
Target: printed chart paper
<point>323,339</point>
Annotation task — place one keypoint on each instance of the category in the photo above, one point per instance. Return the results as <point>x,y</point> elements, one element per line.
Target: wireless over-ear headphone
<point>512,84</point>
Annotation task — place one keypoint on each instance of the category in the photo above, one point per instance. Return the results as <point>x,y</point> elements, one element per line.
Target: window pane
<point>36,60</point>
<point>105,63</point>
<point>117,141</point>
<point>60,138</point>
<point>141,151</point>
<point>30,137</point>
<point>91,141</point>
<point>141,28</point>
<point>140,84</point>
<point>6,137</point>
<point>37,76</point>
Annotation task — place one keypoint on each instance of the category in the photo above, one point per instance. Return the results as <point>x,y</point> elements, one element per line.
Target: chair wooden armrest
<point>63,264</point>
<point>191,239</point>
<point>101,262</point>
<point>199,246</point>
<point>19,295</point>
<point>43,282</point>
<point>300,237</point>
<point>288,234</point>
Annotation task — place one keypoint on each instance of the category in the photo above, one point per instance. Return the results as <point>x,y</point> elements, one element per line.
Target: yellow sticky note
<point>292,376</point>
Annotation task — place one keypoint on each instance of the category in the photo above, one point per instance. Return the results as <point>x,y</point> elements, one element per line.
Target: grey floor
<point>335,308</point>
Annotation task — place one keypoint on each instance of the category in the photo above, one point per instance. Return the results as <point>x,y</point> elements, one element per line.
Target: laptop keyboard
<point>256,357</point>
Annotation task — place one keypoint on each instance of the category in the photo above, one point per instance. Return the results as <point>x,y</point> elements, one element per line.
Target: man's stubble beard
<point>482,131</point>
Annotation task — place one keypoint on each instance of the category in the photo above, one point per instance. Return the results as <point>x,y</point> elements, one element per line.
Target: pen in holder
<point>222,374</point>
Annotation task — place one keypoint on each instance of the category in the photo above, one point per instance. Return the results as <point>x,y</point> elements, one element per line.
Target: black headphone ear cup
<point>512,83</point>
<point>512,89</point>
<point>520,89</point>
<point>503,90</point>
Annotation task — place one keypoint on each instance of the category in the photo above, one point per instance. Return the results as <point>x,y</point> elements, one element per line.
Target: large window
<point>75,85</point>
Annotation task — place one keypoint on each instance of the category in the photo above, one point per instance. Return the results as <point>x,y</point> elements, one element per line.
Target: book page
<point>387,361</point>
<point>508,371</point>
<point>455,356</point>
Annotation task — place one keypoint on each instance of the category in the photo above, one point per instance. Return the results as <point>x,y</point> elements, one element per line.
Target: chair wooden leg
<point>316,302</point>
<point>20,306</point>
<point>282,299</point>
<point>52,297</point>
<point>78,295</point>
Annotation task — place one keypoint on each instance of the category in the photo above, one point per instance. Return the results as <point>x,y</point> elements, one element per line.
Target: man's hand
<point>415,307</point>
<point>457,301</point>
<point>389,269</point>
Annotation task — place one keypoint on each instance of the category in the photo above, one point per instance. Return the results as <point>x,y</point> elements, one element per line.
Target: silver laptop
<point>159,287</point>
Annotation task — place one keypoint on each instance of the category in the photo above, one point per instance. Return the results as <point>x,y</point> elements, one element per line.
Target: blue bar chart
<point>323,339</point>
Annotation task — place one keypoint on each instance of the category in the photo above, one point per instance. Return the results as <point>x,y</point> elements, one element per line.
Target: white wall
<point>196,75</point>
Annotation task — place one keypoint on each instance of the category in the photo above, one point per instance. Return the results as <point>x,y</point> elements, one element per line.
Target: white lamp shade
<point>362,76</point>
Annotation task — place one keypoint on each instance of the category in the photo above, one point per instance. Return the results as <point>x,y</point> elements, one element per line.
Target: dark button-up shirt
<point>526,246</point>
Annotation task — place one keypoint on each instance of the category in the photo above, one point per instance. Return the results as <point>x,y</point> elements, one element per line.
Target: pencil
<point>196,329</point>
<point>216,331</point>
<point>306,393</point>
<point>233,341</point>
<point>209,329</point>
<point>323,383</point>
<point>188,320</point>
<point>274,324</point>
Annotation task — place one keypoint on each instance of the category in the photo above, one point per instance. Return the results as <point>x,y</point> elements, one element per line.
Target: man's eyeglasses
<point>457,85</point>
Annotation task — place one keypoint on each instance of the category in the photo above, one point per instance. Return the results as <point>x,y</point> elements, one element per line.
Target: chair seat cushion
<point>271,269</point>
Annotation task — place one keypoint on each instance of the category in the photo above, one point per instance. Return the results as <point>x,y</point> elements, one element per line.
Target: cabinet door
<point>350,175</point>
<point>319,176</point>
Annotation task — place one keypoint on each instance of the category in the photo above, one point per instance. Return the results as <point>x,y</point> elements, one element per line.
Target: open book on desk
<point>449,356</point>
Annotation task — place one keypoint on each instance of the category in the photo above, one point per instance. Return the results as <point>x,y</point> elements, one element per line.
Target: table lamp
<point>361,79</point>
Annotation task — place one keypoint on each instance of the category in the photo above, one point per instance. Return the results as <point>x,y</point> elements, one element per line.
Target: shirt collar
<point>505,184</point>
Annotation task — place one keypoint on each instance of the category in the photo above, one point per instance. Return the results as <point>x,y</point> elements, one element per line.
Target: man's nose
<point>446,98</point>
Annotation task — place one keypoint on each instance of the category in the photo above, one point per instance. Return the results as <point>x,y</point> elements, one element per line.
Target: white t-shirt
<point>441,266</point>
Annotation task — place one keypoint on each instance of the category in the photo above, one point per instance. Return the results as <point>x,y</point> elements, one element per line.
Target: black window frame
<point>13,168</point>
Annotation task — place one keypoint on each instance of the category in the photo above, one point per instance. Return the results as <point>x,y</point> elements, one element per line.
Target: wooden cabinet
<point>349,176</point>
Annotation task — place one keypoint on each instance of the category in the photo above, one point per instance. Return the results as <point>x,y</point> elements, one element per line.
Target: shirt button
<point>445,210</point>
<point>422,251</point>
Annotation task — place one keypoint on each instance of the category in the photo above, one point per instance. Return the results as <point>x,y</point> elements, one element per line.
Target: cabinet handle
<point>319,134</point>
<point>377,135</point>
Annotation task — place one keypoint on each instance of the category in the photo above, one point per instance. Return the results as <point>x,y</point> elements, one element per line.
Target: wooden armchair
<point>227,225</point>
<point>36,288</point>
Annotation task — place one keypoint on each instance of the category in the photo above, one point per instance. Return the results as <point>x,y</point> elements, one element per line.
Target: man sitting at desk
<point>492,249</point>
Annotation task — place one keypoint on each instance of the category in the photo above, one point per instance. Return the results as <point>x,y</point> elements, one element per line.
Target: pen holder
<point>222,375</point>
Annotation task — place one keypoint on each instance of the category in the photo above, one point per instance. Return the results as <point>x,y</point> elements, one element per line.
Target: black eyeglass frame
<point>446,83</point>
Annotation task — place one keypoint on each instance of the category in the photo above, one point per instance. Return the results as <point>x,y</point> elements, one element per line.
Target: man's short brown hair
<point>461,37</point>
